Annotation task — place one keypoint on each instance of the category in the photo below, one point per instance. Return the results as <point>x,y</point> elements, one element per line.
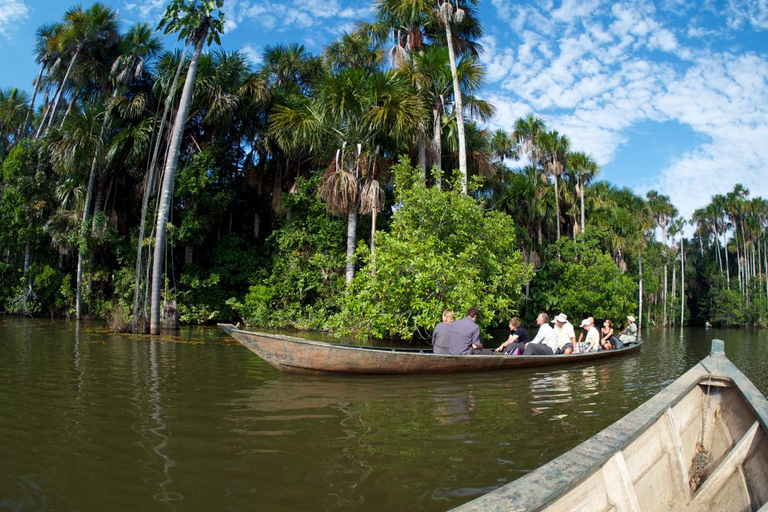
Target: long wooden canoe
<point>298,355</point>
<point>698,445</point>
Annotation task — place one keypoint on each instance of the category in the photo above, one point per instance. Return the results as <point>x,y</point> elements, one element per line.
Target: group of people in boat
<point>453,336</point>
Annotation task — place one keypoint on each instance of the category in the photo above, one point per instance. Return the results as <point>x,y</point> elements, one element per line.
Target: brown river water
<point>95,421</point>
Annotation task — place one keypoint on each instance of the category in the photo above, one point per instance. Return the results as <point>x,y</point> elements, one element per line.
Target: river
<point>93,421</point>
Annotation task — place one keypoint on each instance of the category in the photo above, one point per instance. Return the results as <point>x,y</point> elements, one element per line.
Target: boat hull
<point>698,445</point>
<point>297,355</point>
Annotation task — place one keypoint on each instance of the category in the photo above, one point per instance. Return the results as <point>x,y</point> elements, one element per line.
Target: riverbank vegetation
<point>356,190</point>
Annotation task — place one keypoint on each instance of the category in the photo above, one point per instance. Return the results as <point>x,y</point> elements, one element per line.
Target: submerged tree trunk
<point>166,197</point>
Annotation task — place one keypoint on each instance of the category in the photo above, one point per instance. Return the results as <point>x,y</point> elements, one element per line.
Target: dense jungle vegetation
<point>355,190</point>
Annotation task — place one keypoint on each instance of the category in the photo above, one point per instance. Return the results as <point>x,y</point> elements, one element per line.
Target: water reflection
<point>196,422</point>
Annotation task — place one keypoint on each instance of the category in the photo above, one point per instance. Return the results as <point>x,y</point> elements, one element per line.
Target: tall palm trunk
<point>640,292</point>
<point>581,197</point>
<point>717,247</point>
<point>664,318</point>
<point>458,108</point>
<point>436,146</point>
<point>62,87</point>
<point>32,103</point>
<point>682,282</point>
<point>84,226</point>
<point>351,242</point>
<point>166,195</point>
<point>422,148</point>
<point>727,264</point>
<point>557,210</point>
<point>674,294</point>
<point>148,188</point>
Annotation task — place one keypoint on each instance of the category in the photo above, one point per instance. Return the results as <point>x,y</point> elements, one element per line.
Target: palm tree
<point>584,167</point>
<point>14,108</point>
<point>448,16</point>
<point>502,146</point>
<point>81,31</point>
<point>663,212</point>
<point>353,108</point>
<point>46,53</point>
<point>197,23</point>
<point>554,149</point>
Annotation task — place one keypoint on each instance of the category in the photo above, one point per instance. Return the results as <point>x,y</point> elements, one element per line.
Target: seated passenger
<point>518,337</point>
<point>592,341</point>
<point>608,340</point>
<point>465,334</point>
<point>441,338</point>
<point>629,333</point>
<point>545,341</point>
<point>566,337</point>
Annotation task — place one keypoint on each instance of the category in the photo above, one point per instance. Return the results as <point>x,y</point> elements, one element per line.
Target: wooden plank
<point>730,463</point>
<point>674,444</point>
<point>618,485</point>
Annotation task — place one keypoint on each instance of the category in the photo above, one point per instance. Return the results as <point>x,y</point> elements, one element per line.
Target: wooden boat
<point>297,355</point>
<point>698,445</point>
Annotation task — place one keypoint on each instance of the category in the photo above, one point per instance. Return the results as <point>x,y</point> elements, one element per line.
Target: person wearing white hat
<point>592,342</point>
<point>629,333</point>
<point>566,336</point>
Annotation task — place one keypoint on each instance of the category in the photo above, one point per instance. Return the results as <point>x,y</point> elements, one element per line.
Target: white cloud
<point>328,15</point>
<point>11,13</point>
<point>594,70</point>
<point>252,54</point>
<point>754,12</point>
<point>146,10</point>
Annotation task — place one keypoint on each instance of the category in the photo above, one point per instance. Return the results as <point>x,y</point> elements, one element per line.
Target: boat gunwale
<point>543,486</point>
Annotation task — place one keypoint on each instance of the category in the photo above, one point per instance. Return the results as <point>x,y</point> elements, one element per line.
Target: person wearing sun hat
<point>592,342</point>
<point>566,336</point>
<point>629,333</point>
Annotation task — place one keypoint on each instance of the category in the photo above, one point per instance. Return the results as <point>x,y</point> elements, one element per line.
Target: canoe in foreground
<point>297,355</point>
<point>650,461</point>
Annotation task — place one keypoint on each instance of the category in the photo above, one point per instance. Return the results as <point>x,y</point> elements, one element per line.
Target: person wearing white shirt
<point>592,342</point>
<point>545,342</point>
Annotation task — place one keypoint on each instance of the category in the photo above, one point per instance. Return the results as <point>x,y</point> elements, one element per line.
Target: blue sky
<point>666,94</point>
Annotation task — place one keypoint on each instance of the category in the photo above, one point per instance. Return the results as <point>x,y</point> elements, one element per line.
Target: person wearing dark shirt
<point>441,336</point>
<point>465,334</point>
<point>518,337</point>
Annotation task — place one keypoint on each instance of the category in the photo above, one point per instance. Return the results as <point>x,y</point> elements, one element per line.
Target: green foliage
<point>301,288</point>
<point>198,190</point>
<point>190,18</point>
<point>48,294</point>
<point>204,292</point>
<point>444,251</point>
<point>580,280</point>
<point>731,308</point>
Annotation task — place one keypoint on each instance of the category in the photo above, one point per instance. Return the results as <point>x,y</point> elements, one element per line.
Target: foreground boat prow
<point>698,445</point>
<point>298,355</point>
